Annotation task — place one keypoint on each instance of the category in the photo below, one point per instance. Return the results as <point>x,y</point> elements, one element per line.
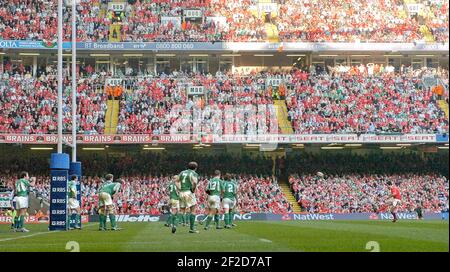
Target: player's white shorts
<point>14,203</point>
<point>105,198</point>
<point>228,203</point>
<point>187,199</point>
<point>174,204</point>
<point>395,202</point>
<point>214,201</point>
<point>73,203</point>
<point>21,202</point>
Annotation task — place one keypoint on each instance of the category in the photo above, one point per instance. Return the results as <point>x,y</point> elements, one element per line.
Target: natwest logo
<point>408,216</point>
<point>314,216</point>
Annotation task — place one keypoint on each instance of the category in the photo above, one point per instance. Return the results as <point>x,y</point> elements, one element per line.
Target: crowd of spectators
<point>144,22</point>
<point>149,195</point>
<point>139,21</point>
<point>346,21</point>
<point>436,16</point>
<point>156,103</point>
<point>342,99</point>
<point>364,99</point>
<point>225,20</point>
<point>368,193</point>
<point>352,183</point>
<point>28,104</point>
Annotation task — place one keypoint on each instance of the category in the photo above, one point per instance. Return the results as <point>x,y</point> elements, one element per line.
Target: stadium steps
<point>282,116</point>
<point>112,116</point>
<point>284,186</point>
<point>117,29</point>
<point>271,29</point>
<point>427,34</point>
<point>444,106</point>
<point>272,33</point>
<point>102,13</point>
<point>423,28</point>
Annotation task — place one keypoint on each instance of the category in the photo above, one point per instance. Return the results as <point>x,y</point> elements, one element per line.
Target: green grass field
<point>300,236</point>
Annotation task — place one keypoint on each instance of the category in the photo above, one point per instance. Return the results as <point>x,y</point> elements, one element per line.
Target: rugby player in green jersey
<point>234,210</point>
<point>188,184</point>
<point>229,191</point>
<point>22,189</point>
<point>105,202</point>
<point>213,189</point>
<point>174,189</point>
<point>73,204</point>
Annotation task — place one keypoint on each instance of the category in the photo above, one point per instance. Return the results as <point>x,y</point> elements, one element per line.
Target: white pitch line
<point>35,234</point>
<point>265,240</point>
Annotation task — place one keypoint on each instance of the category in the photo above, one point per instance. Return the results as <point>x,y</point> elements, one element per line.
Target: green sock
<point>102,221</point>
<point>186,218</point>
<point>230,219</point>
<point>216,220</point>
<point>174,219</point>
<point>226,219</point>
<point>208,220</point>
<point>192,221</point>
<point>16,222</point>
<point>21,221</point>
<point>78,220</point>
<point>112,218</point>
<point>169,219</point>
<point>181,218</point>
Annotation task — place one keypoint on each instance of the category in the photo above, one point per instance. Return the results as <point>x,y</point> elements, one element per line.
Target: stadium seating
<point>358,185</point>
<point>148,195</point>
<point>368,193</point>
<point>343,99</point>
<point>364,99</point>
<point>337,194</point>
<point>228,20</point>
<point>28,105</point>
<point>346,21</point>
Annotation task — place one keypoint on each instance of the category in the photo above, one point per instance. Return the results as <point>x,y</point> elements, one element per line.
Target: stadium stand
<point>229,20</point>
<point>148,194</point>
<point>367,193</point>
<point>342,99</point>
<point>358,185</point>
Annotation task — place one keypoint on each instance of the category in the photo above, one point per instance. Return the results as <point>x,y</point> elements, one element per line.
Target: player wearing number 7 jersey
<point>105,202</point>
<point>229,190</point>
<point>188,184</point>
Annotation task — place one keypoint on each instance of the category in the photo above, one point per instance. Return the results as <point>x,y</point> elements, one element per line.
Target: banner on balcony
<point>223,139</point>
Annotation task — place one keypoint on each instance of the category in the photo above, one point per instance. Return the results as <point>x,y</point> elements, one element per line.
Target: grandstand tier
<point>353,182</point>
<point>305,110</point>
<point>233,20</point>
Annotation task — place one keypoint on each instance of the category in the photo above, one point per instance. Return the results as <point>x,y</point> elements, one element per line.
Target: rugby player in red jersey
<point>395,200</point>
